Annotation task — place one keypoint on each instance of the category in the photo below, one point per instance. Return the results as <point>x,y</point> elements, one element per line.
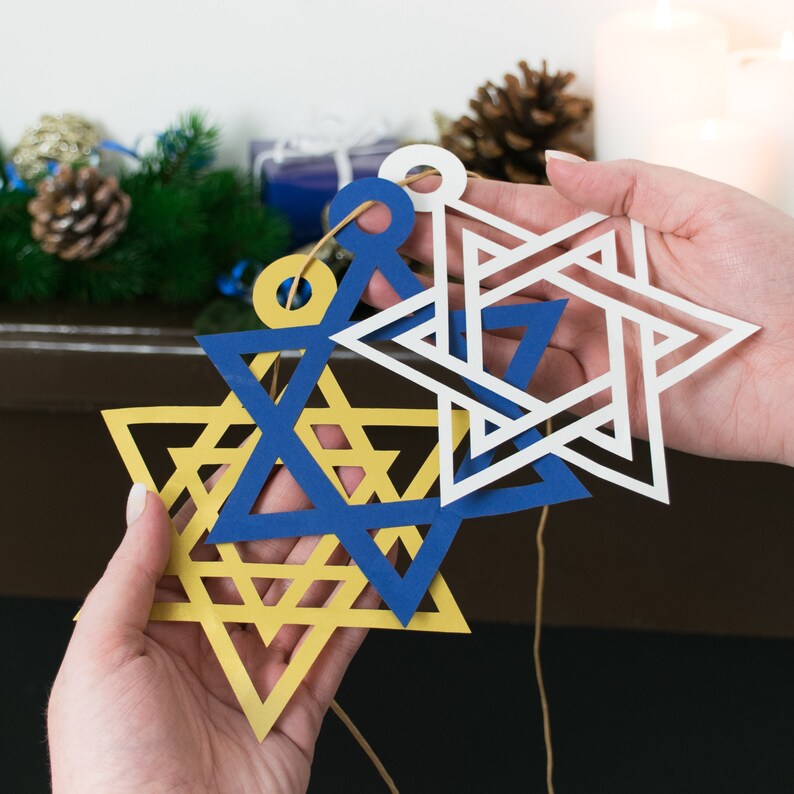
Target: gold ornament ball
<point>63,138</point>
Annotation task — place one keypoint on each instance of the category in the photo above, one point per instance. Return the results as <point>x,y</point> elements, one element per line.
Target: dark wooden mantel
<point>720,559</point>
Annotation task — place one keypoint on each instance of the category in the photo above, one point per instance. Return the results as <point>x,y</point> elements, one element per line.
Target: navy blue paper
<point>331,514</point>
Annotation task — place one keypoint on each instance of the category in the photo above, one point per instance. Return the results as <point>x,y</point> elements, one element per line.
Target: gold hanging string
<point>541,580</point>
<point>544,515</point>
<point>365,746</point>
<point>356,213</point>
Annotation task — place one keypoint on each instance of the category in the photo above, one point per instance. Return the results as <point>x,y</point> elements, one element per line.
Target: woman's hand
<point>709,243</point>
<point>146,707</point>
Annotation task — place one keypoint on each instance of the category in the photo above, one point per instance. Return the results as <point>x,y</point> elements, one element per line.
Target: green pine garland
<point>188,224</point>
<point>26,272</point>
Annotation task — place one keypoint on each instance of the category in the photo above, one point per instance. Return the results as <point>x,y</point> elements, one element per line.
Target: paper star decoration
<point>285,436</point>
<point>270,615</point>
<point>316,324</point>
<point>501,410</point>
<point>487,426</point>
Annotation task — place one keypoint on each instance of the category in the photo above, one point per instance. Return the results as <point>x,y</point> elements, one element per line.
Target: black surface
<point>631,712</point>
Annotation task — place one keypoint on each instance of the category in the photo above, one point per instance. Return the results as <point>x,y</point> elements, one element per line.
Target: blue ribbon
<point>234,284</point>
<point>113,146</point>
<point>14,180</point>
<point>302,294</point>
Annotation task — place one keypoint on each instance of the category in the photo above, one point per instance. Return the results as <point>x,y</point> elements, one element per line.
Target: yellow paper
<point>339,610</point>
<point>268,619</point>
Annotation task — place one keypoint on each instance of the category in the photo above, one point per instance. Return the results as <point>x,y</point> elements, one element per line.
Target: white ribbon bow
<point>332,138</point>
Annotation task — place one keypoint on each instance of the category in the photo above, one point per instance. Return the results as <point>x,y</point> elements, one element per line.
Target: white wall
<point>266,69</point>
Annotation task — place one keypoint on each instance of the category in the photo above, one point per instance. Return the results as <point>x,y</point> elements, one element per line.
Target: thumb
<point>661,198</point>
<point>122,599</point>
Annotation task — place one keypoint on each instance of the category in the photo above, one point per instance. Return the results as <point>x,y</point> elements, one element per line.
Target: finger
<point>282,493</point>
<point>533,207</point>
<point>380,293</point>
<point>576,324</point>
<point>665,199</point>
<point>188,509</point>
<point>420,245</point>
<point>327,672</point>
<point>308,706</point>
<point>315,594</point>
<point>118,607</point>
<point>201,552</point>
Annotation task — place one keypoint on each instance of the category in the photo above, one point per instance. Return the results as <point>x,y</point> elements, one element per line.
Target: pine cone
<point>514,124</point>
<point>78,214</point>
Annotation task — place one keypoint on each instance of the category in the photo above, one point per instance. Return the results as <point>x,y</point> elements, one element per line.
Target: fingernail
<point>566,157</point>
<point>136,502</point>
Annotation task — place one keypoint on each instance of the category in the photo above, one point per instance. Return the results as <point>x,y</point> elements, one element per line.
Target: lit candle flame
<point>708,132</point>
<point>663,19</point>
<point>787,46</point>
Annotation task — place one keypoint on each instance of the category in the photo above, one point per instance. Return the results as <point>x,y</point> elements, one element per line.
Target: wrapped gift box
<point>300,179</point>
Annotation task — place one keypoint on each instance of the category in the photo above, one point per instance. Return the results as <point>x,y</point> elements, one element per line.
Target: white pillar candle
<point>653,68</point>
<point>734,152</point>
<point>761,90</point>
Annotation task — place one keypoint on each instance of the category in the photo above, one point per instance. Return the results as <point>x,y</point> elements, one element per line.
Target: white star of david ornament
<point>643,305</point>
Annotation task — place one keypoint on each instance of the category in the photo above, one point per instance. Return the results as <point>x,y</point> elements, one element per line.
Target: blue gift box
<point>299,179</point>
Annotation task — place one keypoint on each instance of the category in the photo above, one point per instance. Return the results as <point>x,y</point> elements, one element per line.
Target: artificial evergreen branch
<point>121,273</point>
<point>188,223</point>
<point>26,272</point>
<point>13,210</point>
<point>185,149</point>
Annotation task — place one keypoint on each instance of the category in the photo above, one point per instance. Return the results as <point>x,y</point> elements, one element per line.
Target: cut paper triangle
<point>504,400</point>
<point>488,427</point>
<point>482,261</point>
<point>538,322</point>
<point>354,522</point>
<point>262,708</point>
